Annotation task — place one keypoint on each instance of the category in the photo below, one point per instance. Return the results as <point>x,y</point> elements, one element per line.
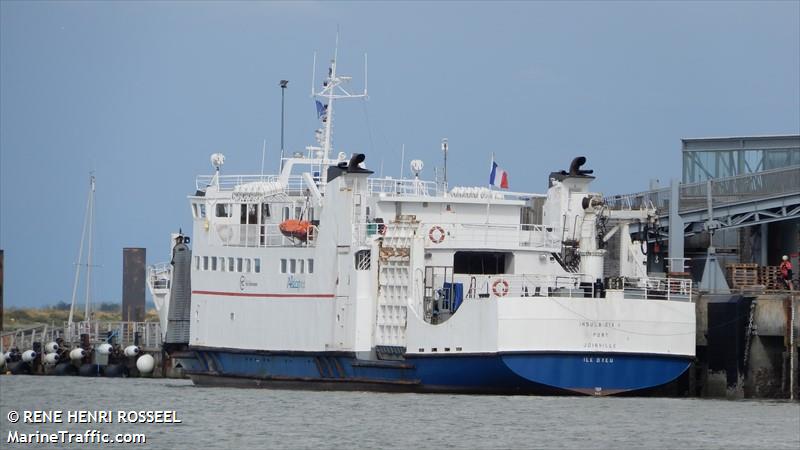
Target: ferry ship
<point>326,277</point>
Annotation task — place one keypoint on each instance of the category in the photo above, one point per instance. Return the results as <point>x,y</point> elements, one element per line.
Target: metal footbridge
<point>738,201</point>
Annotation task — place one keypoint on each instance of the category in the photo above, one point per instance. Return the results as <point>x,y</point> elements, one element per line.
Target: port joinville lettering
<point>600,330</point>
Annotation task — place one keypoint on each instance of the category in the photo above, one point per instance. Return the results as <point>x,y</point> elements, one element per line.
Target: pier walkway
<point>738,201</point>
<point>148,335</point>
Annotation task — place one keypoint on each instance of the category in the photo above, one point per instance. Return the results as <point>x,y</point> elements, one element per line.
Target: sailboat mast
<point>89,254</point>
<point>80,257</point>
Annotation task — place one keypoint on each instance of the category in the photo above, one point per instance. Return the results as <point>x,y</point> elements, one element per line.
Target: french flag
<point>498,177</point>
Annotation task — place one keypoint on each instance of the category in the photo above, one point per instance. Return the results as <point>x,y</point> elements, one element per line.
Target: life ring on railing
<point>500,287</point>
<point>436,234</point>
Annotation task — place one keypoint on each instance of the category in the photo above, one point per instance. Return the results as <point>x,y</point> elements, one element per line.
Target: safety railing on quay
<point>148,334</point>
<point>123,333</point>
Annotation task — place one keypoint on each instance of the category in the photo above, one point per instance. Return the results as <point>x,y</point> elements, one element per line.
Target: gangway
<point>738,201</point>
<point>734,202</point>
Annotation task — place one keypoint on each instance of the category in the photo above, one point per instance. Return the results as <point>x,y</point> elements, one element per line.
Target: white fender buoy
<point>131,350</point>
<point>51,347</point>
<point>2,360</point>
<point>51,359</point>
<point>145,363</point>
<point>29,356</point>
<point>104,349</point>
<point>77,354</point>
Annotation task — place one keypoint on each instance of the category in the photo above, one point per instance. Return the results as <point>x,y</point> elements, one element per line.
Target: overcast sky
<point>143,92</point>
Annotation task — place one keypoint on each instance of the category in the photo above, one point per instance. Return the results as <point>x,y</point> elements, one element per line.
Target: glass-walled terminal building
<point>722,157</point>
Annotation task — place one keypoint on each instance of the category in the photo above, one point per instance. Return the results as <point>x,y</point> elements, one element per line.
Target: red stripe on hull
<point>248,294</point>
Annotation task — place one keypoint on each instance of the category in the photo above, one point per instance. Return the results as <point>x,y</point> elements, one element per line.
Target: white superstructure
<point>323,257</point>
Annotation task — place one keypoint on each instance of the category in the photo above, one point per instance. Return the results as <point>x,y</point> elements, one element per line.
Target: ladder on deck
<point>394,279</point>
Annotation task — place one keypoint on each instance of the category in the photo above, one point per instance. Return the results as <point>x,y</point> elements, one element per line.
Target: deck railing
<point>390,187</point>
<point>159,275</point>
<point>530,285</point>
<point>294,183</point>
<point>468,235</point>
<point>267,235</point>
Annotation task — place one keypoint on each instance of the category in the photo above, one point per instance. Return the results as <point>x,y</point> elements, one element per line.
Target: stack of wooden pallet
<point>743,275</point>
<point>770,277</point>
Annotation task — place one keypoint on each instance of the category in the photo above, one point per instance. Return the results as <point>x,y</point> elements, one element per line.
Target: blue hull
<point>510,373</point>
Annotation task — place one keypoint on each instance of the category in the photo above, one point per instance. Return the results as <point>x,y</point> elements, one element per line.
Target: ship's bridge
<point>247,210</point>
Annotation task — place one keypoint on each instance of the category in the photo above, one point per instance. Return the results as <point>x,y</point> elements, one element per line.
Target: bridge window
<point>238,264</point>
<point>300,264</point>
<point>247,264</point>
<point>310,266</point>
<point>257,265</point>
<point>224,210</point>
<point>230,264</point>
<point>481,263</point>
<point>283,265</point>
<point>213,263</point>
<point>197,263</point>
<point>293,265</point>
<point>205,262</point>
<point>265,213</point>
<point>285,213</point>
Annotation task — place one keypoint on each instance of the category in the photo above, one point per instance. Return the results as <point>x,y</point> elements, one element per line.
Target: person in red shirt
<point>786,272</point>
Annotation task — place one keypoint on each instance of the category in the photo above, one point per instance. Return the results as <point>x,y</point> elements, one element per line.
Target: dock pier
<point>96,348</point>
<point>747,346</point>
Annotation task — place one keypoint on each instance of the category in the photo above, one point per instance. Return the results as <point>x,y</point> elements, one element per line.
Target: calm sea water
<point>250,418</point>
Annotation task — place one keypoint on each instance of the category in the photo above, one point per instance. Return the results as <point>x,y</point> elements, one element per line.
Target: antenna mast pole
<point>332,89</point>
<point>444,150</point>
<point>283,85</point>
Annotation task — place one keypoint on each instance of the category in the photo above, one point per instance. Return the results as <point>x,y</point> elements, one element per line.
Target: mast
<point>86,315</point>
<point>332,89</point>
<point>88,219</point>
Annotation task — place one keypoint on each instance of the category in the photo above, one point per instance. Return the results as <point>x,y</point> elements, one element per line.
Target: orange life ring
<point>436,234</point>
<point>502,292</point>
